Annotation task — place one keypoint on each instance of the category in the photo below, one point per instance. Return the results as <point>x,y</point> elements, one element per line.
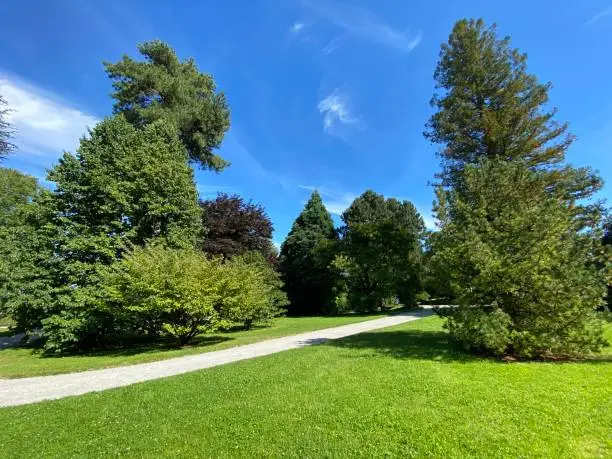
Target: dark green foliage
<point>126,186</point>
<point>518,238</point>
<point>486,331</point>
<point>305,259</point>
<point>6,130</point>
<point>526,280</point>
<point>233,227</point>
<point>381,240</point>
<point>163,87</point>
<point>20,275</point>
<point>489,106</point>
<point>436,278</point>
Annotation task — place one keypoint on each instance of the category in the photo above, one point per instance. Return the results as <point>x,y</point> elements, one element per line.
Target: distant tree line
<point>371,263</point>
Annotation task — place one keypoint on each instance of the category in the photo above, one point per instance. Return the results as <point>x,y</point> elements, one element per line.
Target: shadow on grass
<point>408,344</point>
<point>429,345</point>
<point>160,345</point>
<point>124,348</point>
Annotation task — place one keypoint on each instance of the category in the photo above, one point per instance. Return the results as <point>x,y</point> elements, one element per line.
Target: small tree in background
<point>250,291</point>
<point>233,227</point>
<point>164,88</point>
<point>21,276</point>
<point>381,239</point>
<point>526,281</point>
<point>305,259</point>
<point>6,130</point>
<point>276,298</point>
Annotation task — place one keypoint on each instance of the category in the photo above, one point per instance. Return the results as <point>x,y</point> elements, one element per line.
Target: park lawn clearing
<point>402,391</point>
<point>19,362</point>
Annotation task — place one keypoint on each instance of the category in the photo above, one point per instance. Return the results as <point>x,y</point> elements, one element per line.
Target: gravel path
<point>30,390</point>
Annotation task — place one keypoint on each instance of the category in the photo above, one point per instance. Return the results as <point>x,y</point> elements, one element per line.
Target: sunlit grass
<point>21,362</point>
<point>399,392</point>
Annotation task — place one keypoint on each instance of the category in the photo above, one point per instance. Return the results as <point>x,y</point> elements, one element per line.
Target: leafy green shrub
<point>475,328</point>
<point>277,298</point>
<point>250,290</point>
<point>169,291</point>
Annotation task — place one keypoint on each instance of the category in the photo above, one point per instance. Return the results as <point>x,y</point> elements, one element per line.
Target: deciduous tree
<point>382,240</point>
<point>233,227</point>
<point>125,187</point>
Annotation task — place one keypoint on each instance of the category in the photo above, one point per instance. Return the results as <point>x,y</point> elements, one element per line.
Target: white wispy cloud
<point>211,191</point>
<point>337,113</point>
<point>363,23</point>
<point>335,201</point>
<point>296,27</point>
<point>602,14</point>
<point>45,125</point>
<point>333,45</point>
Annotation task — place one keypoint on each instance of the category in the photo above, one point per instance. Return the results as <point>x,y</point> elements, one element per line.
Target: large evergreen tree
<point>381,239</point>
<point>305,258</point>
<point>490,106</point>
<point>517,241</point>
<point>163,87</point>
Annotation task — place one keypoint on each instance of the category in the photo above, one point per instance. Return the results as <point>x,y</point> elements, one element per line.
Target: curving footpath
<point>30,390</point>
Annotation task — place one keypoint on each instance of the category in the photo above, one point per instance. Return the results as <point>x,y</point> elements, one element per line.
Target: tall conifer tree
<point>305,257</point>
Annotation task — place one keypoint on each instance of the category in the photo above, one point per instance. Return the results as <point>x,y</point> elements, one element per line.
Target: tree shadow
<point>125,347</point>
<point>434,346</point>
<point>159,345</point>
<point>408,344</point>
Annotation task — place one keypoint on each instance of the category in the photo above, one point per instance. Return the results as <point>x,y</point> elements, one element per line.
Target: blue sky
<point>323,94</point>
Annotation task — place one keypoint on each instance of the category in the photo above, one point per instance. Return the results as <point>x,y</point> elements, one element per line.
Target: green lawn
<point>21,362</point>
<point>399,392</point>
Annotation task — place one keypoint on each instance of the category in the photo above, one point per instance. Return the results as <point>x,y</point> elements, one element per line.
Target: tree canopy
<point>125,187</point>
<point>233,227</point>
<point>381,239</point>
<point>163,87</point>
<point>527,282</point>
<point>489,106</point>
<point>305,258</point>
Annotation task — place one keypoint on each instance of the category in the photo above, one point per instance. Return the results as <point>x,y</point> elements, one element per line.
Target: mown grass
<point>16,362</point>
<point>400,392</point>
